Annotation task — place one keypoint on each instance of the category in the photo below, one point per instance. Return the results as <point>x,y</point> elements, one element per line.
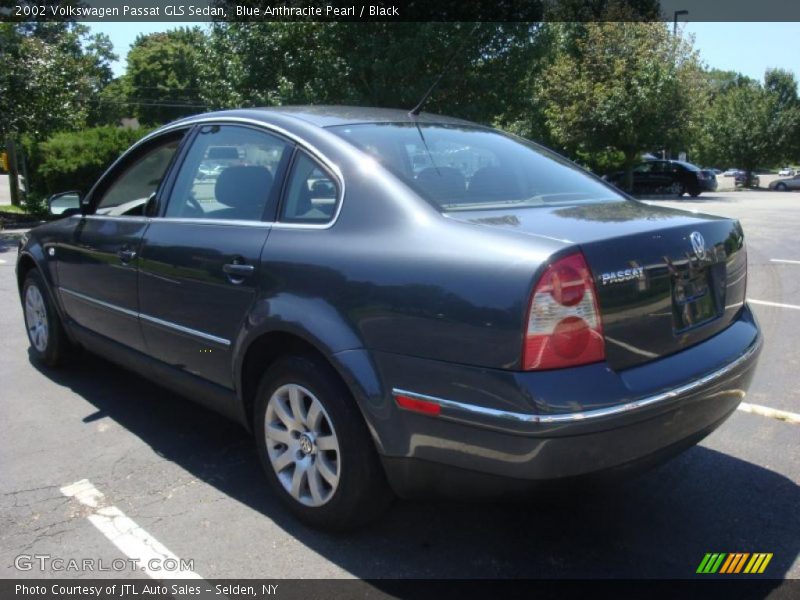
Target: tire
<point>49,342</point>
<point>781,187</point>
<point>340,486</point>
<point>676,189</point>
<point>694,192</point>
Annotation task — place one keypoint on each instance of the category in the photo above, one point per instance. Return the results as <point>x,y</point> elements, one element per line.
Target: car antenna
<point>418,108</point>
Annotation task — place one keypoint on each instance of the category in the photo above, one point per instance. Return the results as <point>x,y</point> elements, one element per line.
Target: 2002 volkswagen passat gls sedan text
<point>398,303</point>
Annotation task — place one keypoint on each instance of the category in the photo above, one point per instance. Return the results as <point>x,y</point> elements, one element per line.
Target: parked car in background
<point>709,180</point>
<point>740,179</point>
<point>731,172</point>
<point>786,171</point>
<point>672,177</point>
<point>484,317</point>
<point>784,185</point>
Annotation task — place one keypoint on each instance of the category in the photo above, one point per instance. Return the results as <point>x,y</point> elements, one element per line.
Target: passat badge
<point>623,275</point>
<point>698,244</point>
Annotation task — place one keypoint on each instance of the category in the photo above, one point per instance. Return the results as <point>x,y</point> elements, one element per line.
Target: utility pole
<point>678,13</point>
<point>13,171</point>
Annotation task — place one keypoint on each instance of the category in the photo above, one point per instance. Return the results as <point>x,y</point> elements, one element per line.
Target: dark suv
<point>673,177</point>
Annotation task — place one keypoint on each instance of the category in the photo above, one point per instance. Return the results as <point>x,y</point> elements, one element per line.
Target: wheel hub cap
<point>36,318</point>
<point>302,446</point>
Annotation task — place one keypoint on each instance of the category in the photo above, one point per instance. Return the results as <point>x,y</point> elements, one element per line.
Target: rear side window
<point>229,173</point>
<point>312,195</point>
<point>468,168</point>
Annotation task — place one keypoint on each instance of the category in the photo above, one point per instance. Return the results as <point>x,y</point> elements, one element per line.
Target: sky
<point>749,48</point>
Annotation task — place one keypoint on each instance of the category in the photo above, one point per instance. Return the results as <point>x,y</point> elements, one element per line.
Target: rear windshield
<point>468,168</point>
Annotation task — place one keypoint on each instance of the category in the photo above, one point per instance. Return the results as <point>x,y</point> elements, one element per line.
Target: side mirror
<point>64,204</point>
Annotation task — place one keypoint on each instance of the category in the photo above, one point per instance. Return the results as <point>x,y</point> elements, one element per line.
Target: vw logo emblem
<point>698,244</point>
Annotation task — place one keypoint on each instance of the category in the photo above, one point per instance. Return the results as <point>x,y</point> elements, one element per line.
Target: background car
<point>673,177</point>
<point>709,180</point>
<point>783,185</point>
<point>486,318</point>
<point>740,179</point>
<point>786,171</point>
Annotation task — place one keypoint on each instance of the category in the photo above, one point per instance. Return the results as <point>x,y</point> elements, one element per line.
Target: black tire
<point>781,187</point>
<point>362,492</point>
<point>694,192</point>
<point>57,346</point>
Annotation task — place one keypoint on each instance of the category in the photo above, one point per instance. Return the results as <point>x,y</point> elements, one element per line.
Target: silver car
<point>786,184</point>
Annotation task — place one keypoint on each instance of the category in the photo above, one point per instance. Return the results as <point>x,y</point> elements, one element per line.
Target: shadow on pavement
<point>658,525</point>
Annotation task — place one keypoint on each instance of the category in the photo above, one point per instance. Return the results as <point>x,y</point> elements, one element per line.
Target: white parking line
<point>126,535</point>
<point>784,260</point>
<point>776,304</point>
<point>773,413</point>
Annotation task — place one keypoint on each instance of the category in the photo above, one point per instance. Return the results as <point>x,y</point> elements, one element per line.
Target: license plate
<point>692,299</point>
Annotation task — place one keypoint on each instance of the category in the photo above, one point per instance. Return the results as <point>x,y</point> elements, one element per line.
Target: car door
<point>97,266</point>
<point>200,258</point>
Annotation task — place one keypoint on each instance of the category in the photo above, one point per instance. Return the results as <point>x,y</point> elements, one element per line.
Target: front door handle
<point>237,270</point>
<point>126,255</point>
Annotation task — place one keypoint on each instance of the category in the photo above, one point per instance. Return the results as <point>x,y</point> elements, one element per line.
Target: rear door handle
<point>126,255</point>
<point>238,270</point>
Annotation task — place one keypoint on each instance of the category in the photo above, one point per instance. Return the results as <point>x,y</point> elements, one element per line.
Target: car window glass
<point>465,167</point>
<point>228,173</point>
<point>311,195</point>
<point>129,192</point>
<point>643,168</point>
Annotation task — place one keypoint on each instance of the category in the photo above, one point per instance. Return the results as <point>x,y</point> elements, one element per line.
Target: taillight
<point>564,328</point>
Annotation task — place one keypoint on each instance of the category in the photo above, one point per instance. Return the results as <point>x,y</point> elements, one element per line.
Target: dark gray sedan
<point>398,304</point>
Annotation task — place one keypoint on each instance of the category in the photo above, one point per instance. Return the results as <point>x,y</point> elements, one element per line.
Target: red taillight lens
<point>564,327</point>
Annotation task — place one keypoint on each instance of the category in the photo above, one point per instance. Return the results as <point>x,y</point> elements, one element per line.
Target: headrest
<point>243,187</point>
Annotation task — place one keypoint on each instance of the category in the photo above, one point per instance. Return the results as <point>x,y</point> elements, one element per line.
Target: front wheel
<point>314,446</point>
<point>676,189</point>
<point>781,187</point>
<point>49,343</point>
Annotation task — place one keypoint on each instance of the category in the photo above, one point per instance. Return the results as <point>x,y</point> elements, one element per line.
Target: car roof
<point>329,116</point>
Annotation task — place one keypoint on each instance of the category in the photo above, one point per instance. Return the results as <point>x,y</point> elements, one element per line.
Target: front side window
<point>467,168</point>
<point>127,193</point>
<point>311,195</point>
<point>229,173</point>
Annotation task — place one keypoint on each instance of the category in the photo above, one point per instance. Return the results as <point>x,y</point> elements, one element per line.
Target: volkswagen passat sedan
<point>401,304</point>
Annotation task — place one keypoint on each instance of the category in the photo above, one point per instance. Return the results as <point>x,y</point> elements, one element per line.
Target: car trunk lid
<point>666,279</point>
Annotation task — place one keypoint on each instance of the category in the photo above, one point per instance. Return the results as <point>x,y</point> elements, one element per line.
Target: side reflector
<point>425,407</point>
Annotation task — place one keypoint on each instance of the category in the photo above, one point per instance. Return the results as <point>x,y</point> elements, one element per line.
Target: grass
<point>10,208</point>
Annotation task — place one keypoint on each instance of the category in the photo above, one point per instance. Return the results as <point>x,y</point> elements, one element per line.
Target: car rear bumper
<point>524,428</point>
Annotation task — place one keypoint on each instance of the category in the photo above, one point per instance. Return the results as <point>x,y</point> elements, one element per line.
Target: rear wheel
<point>49,343</point>
<point>315,448</point>
<point>676,189</point>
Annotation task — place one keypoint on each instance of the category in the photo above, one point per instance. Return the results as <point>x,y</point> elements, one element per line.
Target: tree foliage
<point>49,72</point>
<point>628,87</point>
<point>162,81</point>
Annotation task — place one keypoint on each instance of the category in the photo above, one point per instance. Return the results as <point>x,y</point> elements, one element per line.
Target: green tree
<point>162,78</point>
<point>373,64</point>
<point>48,74</point>
<point>745,128</point>
<point>626,87</point>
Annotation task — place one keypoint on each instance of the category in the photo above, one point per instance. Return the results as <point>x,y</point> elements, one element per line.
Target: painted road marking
<point>785,261</point>
<point>150,554</point>
<point>773,413</point>
<point>776,304</point>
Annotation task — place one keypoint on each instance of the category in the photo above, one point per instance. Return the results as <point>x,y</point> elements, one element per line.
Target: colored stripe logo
<point>734,563</point>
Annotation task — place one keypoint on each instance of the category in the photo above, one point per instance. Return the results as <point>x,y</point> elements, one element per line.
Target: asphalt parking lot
<point>193,482</point>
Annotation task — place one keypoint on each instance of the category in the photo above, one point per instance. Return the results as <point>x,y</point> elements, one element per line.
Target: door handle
<point>126,255</point>
<point>237,271</point>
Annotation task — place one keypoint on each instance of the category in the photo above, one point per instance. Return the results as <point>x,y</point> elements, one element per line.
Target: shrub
<point>74,160</point>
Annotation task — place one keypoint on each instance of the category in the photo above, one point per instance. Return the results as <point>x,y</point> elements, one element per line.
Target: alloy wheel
<point>36,318</point>
<point>302,445</point>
